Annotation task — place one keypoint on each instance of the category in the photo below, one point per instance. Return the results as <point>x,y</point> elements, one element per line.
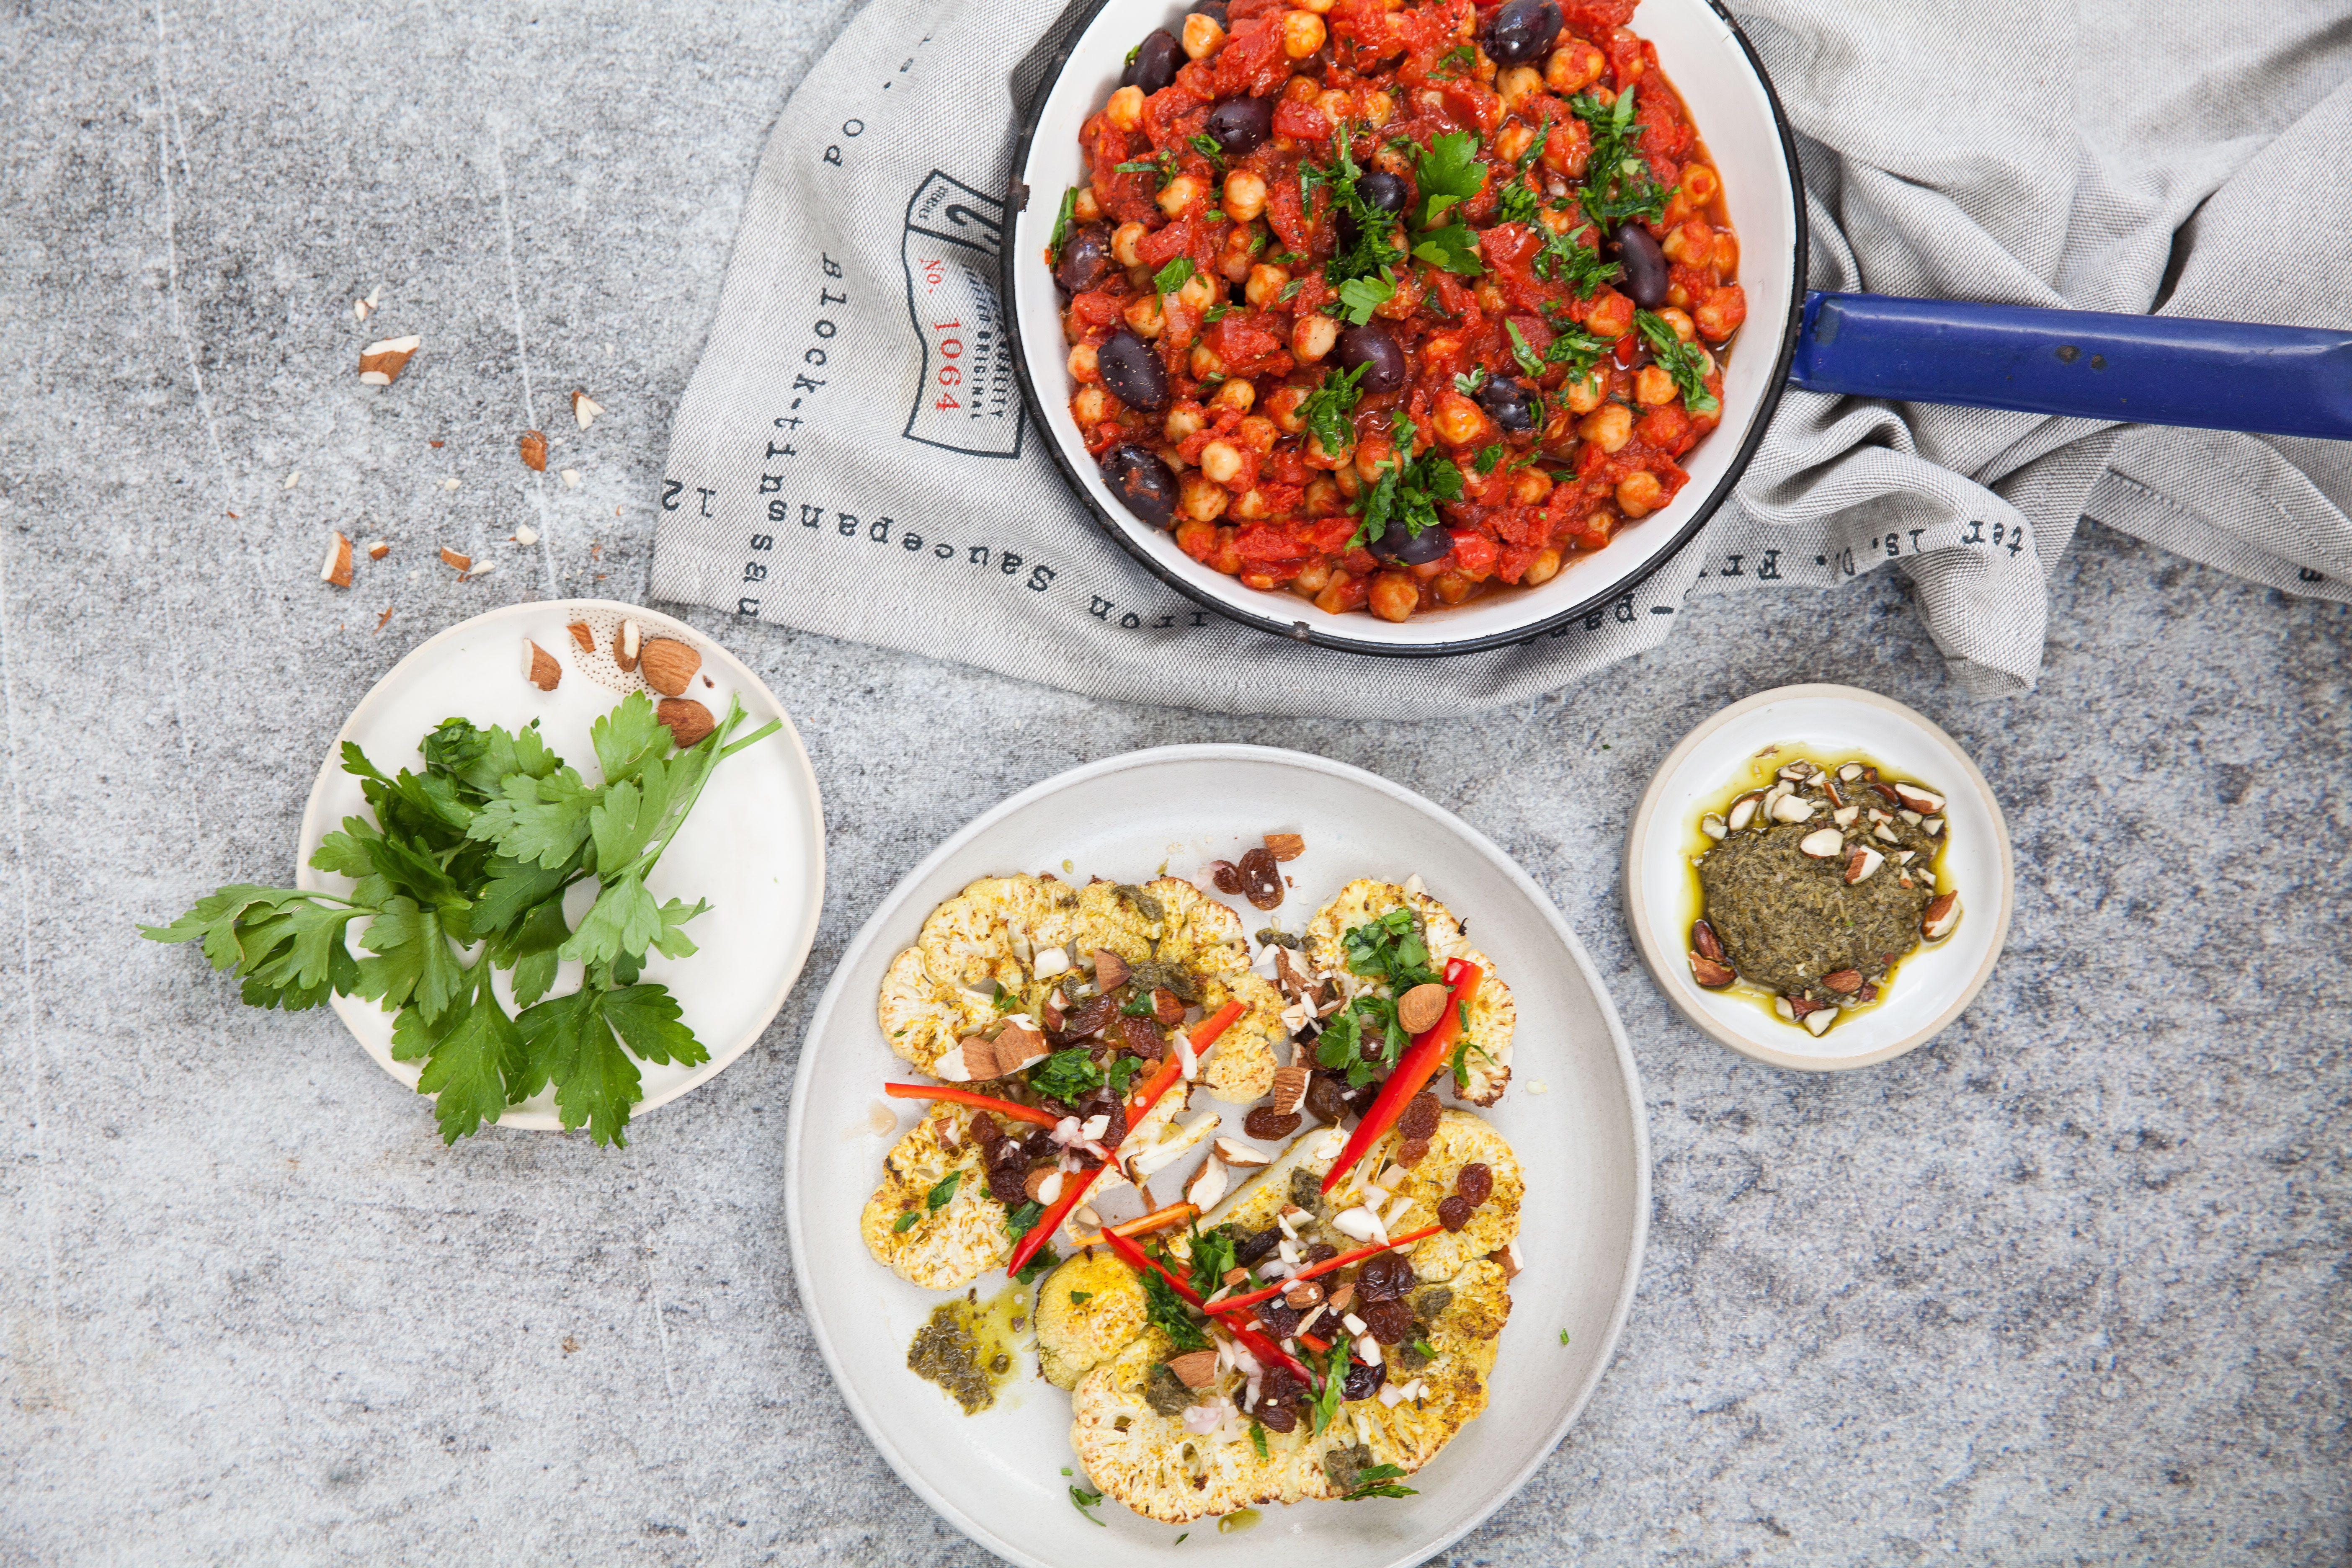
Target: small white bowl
<point>1932,986</point>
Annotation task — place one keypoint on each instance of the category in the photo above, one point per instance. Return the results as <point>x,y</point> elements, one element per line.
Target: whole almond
<point>382,362</point>
<point>688,720</point>
<point>539,667</point>
<point>668,666</point>
<point>1111,970</point>
<point>1844,982</point>
<point>1420,1008</point>
<point>1704,939</point>
<point>1194,1369</point>
<point>1943,913</point>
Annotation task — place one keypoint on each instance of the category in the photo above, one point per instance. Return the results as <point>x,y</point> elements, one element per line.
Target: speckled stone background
<point>2064,1287</point>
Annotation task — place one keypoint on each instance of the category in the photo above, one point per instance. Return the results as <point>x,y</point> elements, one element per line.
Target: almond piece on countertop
<point>451,558</point>
<point>337,569</point>
<point>532,444</point>
<point>1420,1008</point>
<point>668,666</point>
<point>539,667</point>
<point>382,362</point>
<point>1710,974</point>
<point>1943,913</point>
<point>584,408</point>
<point>378,549</point>
<point>524,535</point>
<point>1111,970</point>
<point>1285,846</point>
<point>688,721</point>
<point>1194,1369</point>
<point>1241,1157</point>
<point>1289,1089</point>
<point>625,646</point>
<point>585,635</point>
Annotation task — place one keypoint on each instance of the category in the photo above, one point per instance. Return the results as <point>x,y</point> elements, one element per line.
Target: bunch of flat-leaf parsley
<point>462,873</point>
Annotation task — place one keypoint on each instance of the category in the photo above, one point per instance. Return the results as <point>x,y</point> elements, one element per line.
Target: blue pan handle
<point>2156,370</point>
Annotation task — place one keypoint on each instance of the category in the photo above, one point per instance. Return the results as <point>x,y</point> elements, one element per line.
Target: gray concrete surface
<point>2064,1287</point>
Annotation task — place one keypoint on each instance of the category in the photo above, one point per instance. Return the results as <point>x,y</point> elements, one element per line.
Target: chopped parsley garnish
<point>1327,1399</point>
<point>942,1193</point>
<point>1360,297</point>
<point>1257,1441</point>
<point>1408,491</point>
<point>1468,385</point>
<point>1617,181</point>
<point>1169,1314</point>
<point>1019,1222</point>
<point>1080,1298</point>
<point>1377,1480</point>
<point>1330,410</point>
<point>1389,947</point>
<point>1173,276</point>
<point>1520,201</point>
<point>1448,173</point>
<point>1530,361</point>
<point>1036,1265</point>
<point>1577,349</point>
<point>1581,266</point>
<point>1082,1500</point>
<point>1121,1073</point>
<point>1062,219</point>
<point>1452,62</point>
<point>1162,164</point>
<point>1212,1255</point>
<point>1687,362</point>
<point>1371,253</point>
<point>1068,1076</point>
<point>1491,457</point>
<point>1206,145</point>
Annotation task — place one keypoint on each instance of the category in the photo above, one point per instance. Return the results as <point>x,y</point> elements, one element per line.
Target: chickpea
<point>1197,537</point>
<point>1123,241</point>
<point>1584,396</point>
<point>1204,362</point>
<point>1236,395</point>
<point>1199,292</point>
<point>1638,495</point>
<point>1266,283</point>
<point>1125,108</point>
<point>1699,184</point>
<point>1245,195</point>
<point>1516,84</point>
<point>1302,34</point>
<point>1460,422</point>
<point>1612,315</point>
<point>1321,7</point>
<point>1727,253</point>
<point>1251,506</point>
<point>1318,456</point>
<point>1574,66</point>
<point>1177,197</point>
<point>1652,386</point>
<point>1394,596</point>
<point>1374,454</point>
<point>1199,498</point>
<point>1601,95</point>
<point>1608,427</point>
<point>1085,362</point>
<point>1227,556</point>
<point>1084,208</point>
<point>1312,336</point>
<point>1258,432</point>
<point>1234,265</point>
<point>1177,461</point>
<point>1680,322</point>
<point>1139,279</point>
<point>1184,420</point>
<point>1262,582</point>
<point>1720,315</point>
<point>1202,37</point>
<point>1344,592</point>
<point>1378,108</point>
<point>1335,104</point>
<point>1450,587</point>
<point>1515,139</point>
<point>1221,461</point>
<point>1144,317</point>
<point>1490,299</point>
<point>1312,579</point>
<point>1409,292</point>
<point>1282,407</point>
<point>1091,405</point>
<point>1678,296</point>
<point>1693,242</point>
<point>1530,485</point>
<point>1542,569</point>
<point>1350,484</point>
<point>1301,88</point>
<point>1560,222</point>
<point>1324,499</point>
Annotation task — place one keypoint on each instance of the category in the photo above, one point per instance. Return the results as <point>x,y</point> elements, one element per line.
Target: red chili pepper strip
<point>966,1097</point>
<point>1418,1066</point>
<point>1264,1349</point>
<point>1233,1303</point>
<point>1139,1104</point>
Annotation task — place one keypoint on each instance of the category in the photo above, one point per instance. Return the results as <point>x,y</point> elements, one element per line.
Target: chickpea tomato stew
<point>1382,304</point>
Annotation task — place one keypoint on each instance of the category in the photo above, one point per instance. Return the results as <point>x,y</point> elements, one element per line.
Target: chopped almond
<point>533,446</point>
<point>585,635</point>
<point>382,362</point>
<point>1194,1369</point>
<point>584,408</point>
<point>451,558</point>
<point>337,569</point>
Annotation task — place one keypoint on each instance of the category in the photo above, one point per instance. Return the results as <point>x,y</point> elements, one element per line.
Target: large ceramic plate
<point>1574,1114</point>
<point>754,846</point>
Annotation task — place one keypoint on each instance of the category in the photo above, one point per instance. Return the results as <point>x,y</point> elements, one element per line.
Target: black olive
<point>1086,259</point>
<point>1142,483</point>
<point>1397,546</point>
<point>1522,32</point>
<point>1382,192</point>
<point>1215,10</point>
<point>1371,347</point>
<point>1155,62</point>
<point>1131,369</point>
<point>1240,125</point>
<point>1509,402</point>
<point>1644,264</point>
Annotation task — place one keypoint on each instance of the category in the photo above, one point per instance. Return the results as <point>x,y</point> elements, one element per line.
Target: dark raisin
<point>1280,1321</point>
<point>1226,875</point>
<point>1248,1250</point>
<point>1327,1098</point>
<point>1266,1123</point>
<point>1276,1417</point>
<point>1091,1015</point>
<point>1260,883</point>
<point>984,1129</point>
<point>1476,1182</point>
<point>1454,1212</point>
<point>1039,1144</point>
<point>1363,1381</point>
<point>1009,1184</point>
<point>1388,1321</point>
<point>1143,1037</point>
<point>1103,1102</point>
<point>1321,1251</point>
<point>1386,1276</point>
<point>1420,1118</point>
<point>1413,1151</point>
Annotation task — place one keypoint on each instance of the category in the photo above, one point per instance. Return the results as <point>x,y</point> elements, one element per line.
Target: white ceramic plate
<point>754,846</point>
<point>1730,102</point>
<point>997,1476</point>
<point>1931,987</point>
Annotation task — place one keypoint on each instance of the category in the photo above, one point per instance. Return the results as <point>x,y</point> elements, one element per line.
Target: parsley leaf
<point>1044,1259</point>
<point>1377,1480</point>
<point>1080,1298</point>
<point>1452,62</point>
<point>1454,249</point>
<point>1068,210</point>
<point>1468,385</point>
<point>1170,1314</point>
<point>1618,186</point>
<point>1206,145</point>
<point>1489,458</point>
<point>1389,947</point>
<point>1581,267</point>
<point>1083,1501</point>
<point>1371,251</point>
<point>1330,410</point>
<point>1447,172</point>
<point>1173,276</point>
<point>1577,349</point>
<point>1408,493</point>
<point>1068,1076</point>
<point>1360,297</point>
<point>1328,1398</point>
<point>1212,1255</point>
<point>1257,1441</point>
<point>1530,361</point>
<point>1687,362</point>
